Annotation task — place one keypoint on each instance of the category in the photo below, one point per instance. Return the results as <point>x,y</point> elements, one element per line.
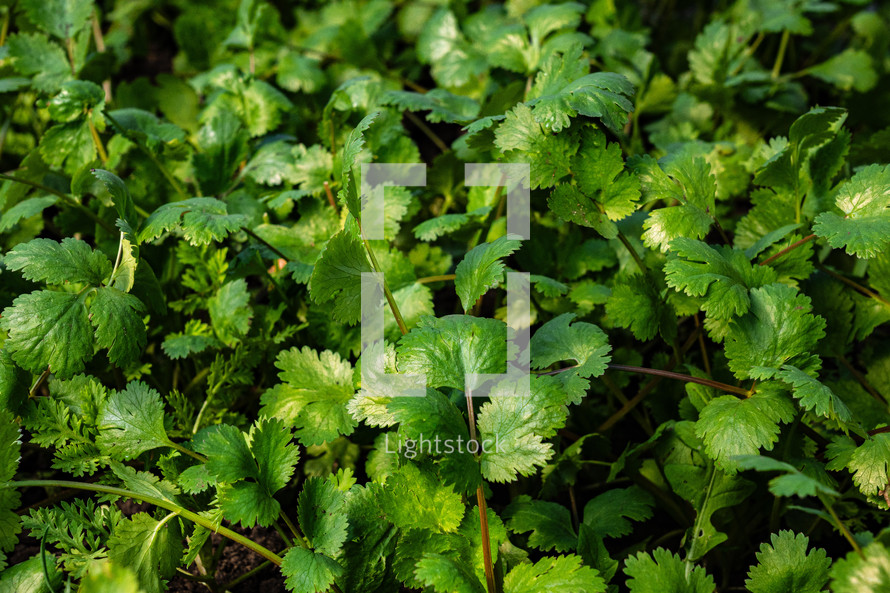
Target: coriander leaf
<point>454,61</point>
<point>550,524</point>
<point>605,191</point>
<point>72,260</point>
<point>513,427</point>
<point>607,514</point>
<point>442,105</point>
<point>306,571</point>
<point>864,200</point>
<point>524,140</point>
<point>62,18</point>
<point>685,178</point>
<point>119,327</point>
<point>724,276</point>
<point>196,337</point>
<point>636,304</point>
<point>785,565</point>
<point>792,482</point>
<point>10,454</point>
<point>583,343</point>
<point>145,483</point>
<point>230,312</point>
<point>815,396</point>
<point>351,150</point>
<point>151,548</point>
<point>778,329</point>
<point>338,275</point>
<point>314,395</point>
<point>448,348</point>
<point>559,574</point>
<point>132,422</point>
<point>872,569</point>
<point>870,462</point>
<point>123,201</point>
<point>24,210</point>
<point>415,499</point>
<point>68,146</point>
<point>321,510</point>
<point>48,329</point>
<point>105,577</point>
<point>201,220</point>
<point>482,269</point>
<point>730,426</point>
<point>445,574</point>
<point>849,69</point>
<point>662,571</point>
<point>35,55</point>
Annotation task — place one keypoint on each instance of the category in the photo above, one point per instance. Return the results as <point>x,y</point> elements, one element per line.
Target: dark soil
<point>235,561</point>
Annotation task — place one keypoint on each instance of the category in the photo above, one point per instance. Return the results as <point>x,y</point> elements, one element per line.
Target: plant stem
<point>633,252</point>
<point>439,278</point>
<point>389,298</point>
<point>704,349</point>
<point>843,528</point>
<point>38,382</point>
<point>481,505</point>
<point>331,200</point>
<point>866,291</point>
<point>103,156</point>
<point>861,378</point>
<point>188,452</point>
<point>293,529</point>
<point>780,57</point>
<point>159,502</point>
<point>259,239</point>
<point>791,247</point>
<point>65,198</point>
<point>151,156</point>
<point>100,47</point>
<point>681,377</point>
<point>646,389</point>
<point>427,132</point>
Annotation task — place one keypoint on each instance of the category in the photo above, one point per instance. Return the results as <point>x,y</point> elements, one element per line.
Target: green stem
<point>696,528</point>
<point>427,132</point>
<point>843,528</point>
<point>439,278</point>
<point>866,291</point>
<point>669,375</point>
<point>188,452</point>
<point>386,291</point>
<point>38,382</point>
<point>65,198</point>
<point>151,156</point>
<point>103,156</point>
<point>780,57</point>
<point>159,502</point>
<point>633,252</point>
<point>259,239</point>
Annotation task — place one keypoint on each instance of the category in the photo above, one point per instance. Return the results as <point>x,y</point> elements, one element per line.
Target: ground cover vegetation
<point>181,259</point>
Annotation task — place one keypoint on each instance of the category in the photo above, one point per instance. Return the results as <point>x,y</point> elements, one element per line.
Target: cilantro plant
<point>182,251</point>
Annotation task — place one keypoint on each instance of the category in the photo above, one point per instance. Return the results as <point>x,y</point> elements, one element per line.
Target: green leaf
<point>445,574</point>
<point>524,140</point>
<point>196,337</point>
<point>730,426</point>
<point>61,18</point>
<point>230,312</point>
<point>306,571</point>
<point>864,200</point>
<point>815,396</point>
<point>338,275</point>
<point>48,330</point>
<point>414,499</point>
<point>514,426</point>
<point>848,575</point>
<point>132,422</point>
<point>454,61</point>
<point>559,574</point>
<point>604,95</point>
<point>24,210</point>
<point>448,348</point>
<point>582,343</point>
<point>123,201</point>
<point>201,220</point>
<point>607,514</point>
<point>482,269</point>
<point>870,463</point>
<point>791,483</point>
<point>72,260</point>
<point>852,69</point>
<point>550,524</point>
<point>119,327</point>
<point>442,105</point>
<point>28,576</point>
<point>351,150</point>
<point>637,304</point>
<point>35,55</point>
<point>605,192</point>
<point>685,178</point>
<point>109,578</point>
<point>784,565</point>
<point>10,454</point>
<point>778,329</point>
<point>68,146</point>
<point>314,395</point>
<point>723,276</point>
<point>662,571</point>
<point>151,548</point>
<point>322,515</point>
